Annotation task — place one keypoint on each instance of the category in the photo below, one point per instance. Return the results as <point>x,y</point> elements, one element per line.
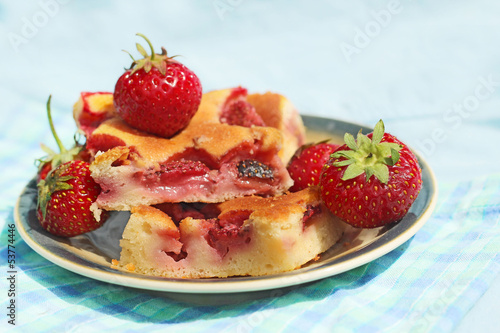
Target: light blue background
<point>411,69</point>
<point>421,66</point>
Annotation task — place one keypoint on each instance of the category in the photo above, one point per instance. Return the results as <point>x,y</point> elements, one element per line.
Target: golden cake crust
<point>278,112</point>
<point>204,132</point>
<point>163,221</point>
<point>276,208</point>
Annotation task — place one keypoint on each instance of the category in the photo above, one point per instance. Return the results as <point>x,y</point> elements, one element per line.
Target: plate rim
<point>362,256</point>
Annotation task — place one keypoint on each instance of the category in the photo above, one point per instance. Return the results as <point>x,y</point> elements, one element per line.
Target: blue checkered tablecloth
<point>430,70</point>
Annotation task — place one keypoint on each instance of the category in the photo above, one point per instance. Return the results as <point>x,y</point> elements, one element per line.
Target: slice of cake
<point>92,109</point>
<point>245,236</point>
<point>239,108</point>
<point>226,151</point>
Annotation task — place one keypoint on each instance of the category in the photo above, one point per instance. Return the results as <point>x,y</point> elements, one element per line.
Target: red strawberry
<point>307,162</point>
<point>371,181</point>
<point>157,94</point>
<point>53,159</point>
<point>65,198</point>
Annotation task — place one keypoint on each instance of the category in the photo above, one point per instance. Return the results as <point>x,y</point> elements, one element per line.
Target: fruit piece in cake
<point>54,159</point>
<point>139,169</point>
<point>278,112</point>
<point>307,162</point>
<point>158,94</point>
<point>372,180</point>
<point>249,236</point>
<point>238,111</point>
<point>66,201</point>
<point>93,108</point>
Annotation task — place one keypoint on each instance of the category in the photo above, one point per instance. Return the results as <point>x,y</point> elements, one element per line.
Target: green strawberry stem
<point>141,49</point>
<point>158,61</point>
<point>62,149</point>
<point>369,156</point>
<point>64,155</point>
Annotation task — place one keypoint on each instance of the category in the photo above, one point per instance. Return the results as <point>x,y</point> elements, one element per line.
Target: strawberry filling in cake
<point>238,111</point>
<point>125,182</point>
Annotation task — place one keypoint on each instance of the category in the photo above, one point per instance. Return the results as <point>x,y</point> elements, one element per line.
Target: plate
<point>90,254</point>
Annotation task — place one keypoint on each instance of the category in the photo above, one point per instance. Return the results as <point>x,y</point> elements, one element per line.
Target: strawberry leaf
<point>369,172</point>
<point>350,141</point>
<point>363,141</point>
<point>348,154</point>
<point>343,163</point>
<point>378,132</point>
<point>393,159</point>
<point>352,171</point>
<point>163,67</point>
<point>53,183</point>
<point>369,156</point>
<point>141,50</point>
<point>381,171</point>
<point>131,57</point>
<point>47,150</point>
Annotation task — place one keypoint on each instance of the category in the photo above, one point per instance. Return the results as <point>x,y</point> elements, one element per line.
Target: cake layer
<point>245,236</point>
<point>127,181</point>
<point>223,154</point>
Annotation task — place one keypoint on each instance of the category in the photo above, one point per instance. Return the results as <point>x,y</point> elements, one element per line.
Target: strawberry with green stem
<point>372,180</point>
<point>158,94</point>
<point>66,200</point>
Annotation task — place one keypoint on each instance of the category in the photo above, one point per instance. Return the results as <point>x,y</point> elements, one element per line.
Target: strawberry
<point>65,198</point>
<point>157,94</point>
<point>372,180</point>
<point>307,162</point>
<point>53,159</point>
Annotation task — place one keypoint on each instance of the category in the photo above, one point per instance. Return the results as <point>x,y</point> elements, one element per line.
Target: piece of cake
<point>239,108</point>
<point>225,152</point>
<point>92,109</point>
<point>245,236</point>
<point>278,112</point>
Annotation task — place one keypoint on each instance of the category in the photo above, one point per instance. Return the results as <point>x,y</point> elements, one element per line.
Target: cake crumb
<point>130,267</point>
